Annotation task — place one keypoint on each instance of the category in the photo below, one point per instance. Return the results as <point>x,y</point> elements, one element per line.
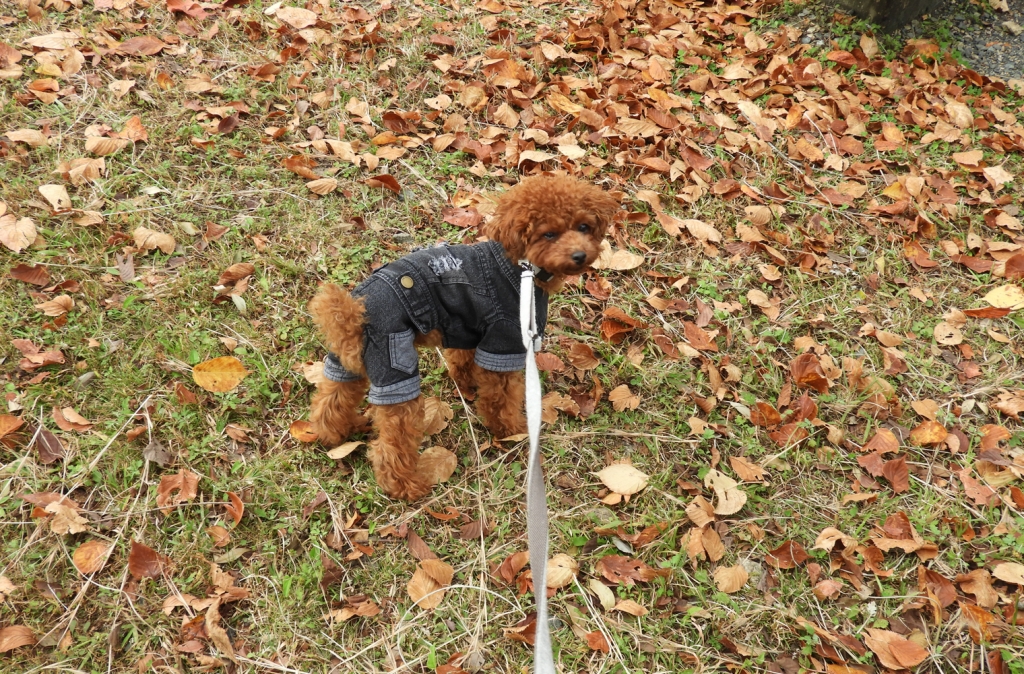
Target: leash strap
<point>536,494</point>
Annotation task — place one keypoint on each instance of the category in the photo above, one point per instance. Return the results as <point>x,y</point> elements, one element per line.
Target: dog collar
<point>542,275</point>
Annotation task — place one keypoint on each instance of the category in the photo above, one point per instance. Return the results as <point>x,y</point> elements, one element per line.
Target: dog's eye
<point>550,236</point>
<point>583,227</point>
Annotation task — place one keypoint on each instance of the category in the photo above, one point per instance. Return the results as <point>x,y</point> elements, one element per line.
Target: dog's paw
<point>407,491</point>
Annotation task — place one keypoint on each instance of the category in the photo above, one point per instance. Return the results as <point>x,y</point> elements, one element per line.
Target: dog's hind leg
<point>500,399</point>
<point>334,410</point>
<point>395,452</point>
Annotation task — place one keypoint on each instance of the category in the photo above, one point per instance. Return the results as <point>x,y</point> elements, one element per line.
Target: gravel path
<point>984,38</point>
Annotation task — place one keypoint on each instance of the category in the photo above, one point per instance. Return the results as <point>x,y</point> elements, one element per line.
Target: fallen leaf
<point>437,464</point>
<point>343,450</point>
<point>234,508</point>
<point>58,306</point>
<point>626,571</point>
<point>730,579</point>
<point>426,588</point>
<point>297,17</point>
<point>302,431</point>
<point>894,651</point>
<point>622,398</point>
<point>17,234</point>
<point>631,607</point>
<point>1006,297</point>
<point>603,593</point>
<point>185,483</point>
<point>623,478</point>
<point>36,275</point>
<point>145,562</point>
<point>747,470</point>
<point>1009,572</point>
<point>57,195</point>
<point>729,498</point>
<point>562,570</point>
<point>789,555</point>
<point>928,433</point>
<point>147,240</point>
<point>91,556</point>
<point>219,375</point>
<point>16,636</point>
<point>218,635</point>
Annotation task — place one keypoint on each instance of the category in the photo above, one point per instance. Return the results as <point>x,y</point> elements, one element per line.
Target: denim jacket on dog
<point>469,293</point>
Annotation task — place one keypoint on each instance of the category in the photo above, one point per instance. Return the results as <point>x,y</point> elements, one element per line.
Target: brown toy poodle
<point>465,298</point>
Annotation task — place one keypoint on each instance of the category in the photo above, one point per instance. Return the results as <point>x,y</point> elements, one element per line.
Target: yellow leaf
<point>219,375</point>
<point>1006,297</point>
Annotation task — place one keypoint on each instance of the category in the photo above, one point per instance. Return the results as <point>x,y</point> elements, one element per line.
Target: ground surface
<point>807,339</point>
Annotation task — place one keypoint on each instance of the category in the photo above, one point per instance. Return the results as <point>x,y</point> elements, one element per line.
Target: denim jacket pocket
<point>402,348</point>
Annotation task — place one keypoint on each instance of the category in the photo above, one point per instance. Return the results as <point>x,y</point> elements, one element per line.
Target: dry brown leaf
<point>219,375</point>
<point>58,306</point>
<point>1009,572</point>
<point>104,147</point>
<point>234,508</point>
<point>218,635</point>
<point>16,234</point>
<point>57,195</point>
<point>436,464</point>
<point>622,398</point>
<point>747,470</point>
<point>16,636</point>
<point>562,569</point>
<point>302,431</point>
<point>146,239</point>
<point>343,450</point>
<point>623,478</point>
<point>145,562</point>
<point>730,579</point>
<point>631,607</point>
<point>729,498</point>
<point>426,588</point>
<point>91,556</point>
<point>437,414</point>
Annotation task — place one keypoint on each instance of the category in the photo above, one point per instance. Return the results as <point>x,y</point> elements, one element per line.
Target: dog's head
<point>554,222</point>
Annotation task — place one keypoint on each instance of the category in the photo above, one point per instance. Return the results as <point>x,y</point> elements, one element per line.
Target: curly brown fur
<point>334,410</point>
<point>555,222</point>
<point>463,370</point>
<point>499,401</point>
<point>340,318</point>
<point>395,452</point>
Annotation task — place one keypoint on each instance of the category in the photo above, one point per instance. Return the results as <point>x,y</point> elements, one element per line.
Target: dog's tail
<point>340,318</point>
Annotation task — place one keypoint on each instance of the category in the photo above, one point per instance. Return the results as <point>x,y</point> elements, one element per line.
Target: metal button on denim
<point>406,282</point>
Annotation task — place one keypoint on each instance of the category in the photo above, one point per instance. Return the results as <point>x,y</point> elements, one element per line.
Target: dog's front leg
<point>395,452</point>
<point>500,400</point>
<point>462,369</point>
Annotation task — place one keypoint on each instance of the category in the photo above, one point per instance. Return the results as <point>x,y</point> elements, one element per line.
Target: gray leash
<point>536,493</point>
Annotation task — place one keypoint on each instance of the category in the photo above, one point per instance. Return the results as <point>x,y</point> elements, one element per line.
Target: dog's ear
<point>605,207</point>
<point>509,226</point>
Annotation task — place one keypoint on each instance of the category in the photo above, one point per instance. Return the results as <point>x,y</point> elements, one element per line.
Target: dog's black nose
<point>579,257</point>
